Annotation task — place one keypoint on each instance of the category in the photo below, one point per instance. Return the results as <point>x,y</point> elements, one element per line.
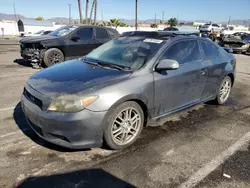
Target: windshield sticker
<point>153,41</point>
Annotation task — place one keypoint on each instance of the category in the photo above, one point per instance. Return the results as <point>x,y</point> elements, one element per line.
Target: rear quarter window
<point>208,50</point>
<point>113,33</point>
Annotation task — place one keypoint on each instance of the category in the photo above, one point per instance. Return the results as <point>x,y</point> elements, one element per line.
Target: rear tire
<point>224,91</point>
<point>53,56</point>
<point>123,125</point>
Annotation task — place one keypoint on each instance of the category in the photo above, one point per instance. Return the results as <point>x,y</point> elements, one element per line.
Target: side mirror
<point>229,50</point>
<point>75,38</point>
<point>167,64</point>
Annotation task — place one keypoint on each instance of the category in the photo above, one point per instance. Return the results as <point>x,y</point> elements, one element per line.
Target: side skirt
<point>153,120</point>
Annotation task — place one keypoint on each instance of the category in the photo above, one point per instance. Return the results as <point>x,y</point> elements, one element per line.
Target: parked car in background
<point>209,27</point>
<point>171,29</point>
<point>239,42</point>
<point>65,43</point>
<point>109,95</point>
<point>39,33</point>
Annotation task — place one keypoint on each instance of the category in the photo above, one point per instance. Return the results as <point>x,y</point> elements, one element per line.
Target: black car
<point>171,29</point>
<point>65,43</point>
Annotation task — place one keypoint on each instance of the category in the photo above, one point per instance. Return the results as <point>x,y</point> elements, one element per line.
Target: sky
<point>191,10</point>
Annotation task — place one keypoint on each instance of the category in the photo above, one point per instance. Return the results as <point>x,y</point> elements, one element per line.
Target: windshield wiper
<point>111,65</point>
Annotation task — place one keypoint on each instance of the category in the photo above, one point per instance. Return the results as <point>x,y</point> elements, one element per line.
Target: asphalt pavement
<point>205,146</point>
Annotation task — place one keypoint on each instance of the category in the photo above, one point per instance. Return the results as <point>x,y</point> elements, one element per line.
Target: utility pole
<point>69,14</point>
<point>86,12</point>
<point>136,9</point>
<point>229,21</point>
<point>162,17</point>
<point>102,15</point>
<point>155,18</point>
<point>14,7</point>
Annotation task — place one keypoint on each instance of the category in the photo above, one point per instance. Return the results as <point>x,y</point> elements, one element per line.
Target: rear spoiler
<point>229,50</point>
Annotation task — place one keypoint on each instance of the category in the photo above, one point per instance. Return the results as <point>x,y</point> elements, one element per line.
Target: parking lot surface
<point>205,146</point>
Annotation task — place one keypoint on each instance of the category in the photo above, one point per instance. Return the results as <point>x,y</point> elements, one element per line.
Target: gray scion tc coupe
<point>109,95</point>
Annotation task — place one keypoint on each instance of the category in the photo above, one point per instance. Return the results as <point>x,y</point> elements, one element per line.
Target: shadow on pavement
<point>23,62</point>
<point>237,167</point>
<point>83,178</point>
<point>21,122</point>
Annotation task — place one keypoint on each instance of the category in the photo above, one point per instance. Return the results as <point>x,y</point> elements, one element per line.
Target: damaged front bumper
<point>32,54</point>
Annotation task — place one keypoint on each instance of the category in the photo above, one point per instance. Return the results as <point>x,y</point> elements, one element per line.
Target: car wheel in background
<point>53,56</point>
<point>224,91</point>
<point>123,125</point>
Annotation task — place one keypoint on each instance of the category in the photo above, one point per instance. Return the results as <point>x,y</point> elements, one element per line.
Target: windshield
<point>62,31</point>
<point>129,52</point>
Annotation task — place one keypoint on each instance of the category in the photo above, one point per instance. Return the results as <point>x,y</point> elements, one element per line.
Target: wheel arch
<point>231,76</point>
<point>139,99</point>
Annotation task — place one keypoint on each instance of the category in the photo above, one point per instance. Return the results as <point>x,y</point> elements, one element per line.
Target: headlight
<point>226,45</point>
<point>71,103</point>
<point>245,46</point>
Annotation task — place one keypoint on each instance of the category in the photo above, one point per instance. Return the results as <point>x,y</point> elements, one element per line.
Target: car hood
<point>73,77</point>
<point>34,39</point>
<point>232,39</point>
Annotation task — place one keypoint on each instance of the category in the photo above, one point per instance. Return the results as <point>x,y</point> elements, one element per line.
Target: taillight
<point>207,26</point>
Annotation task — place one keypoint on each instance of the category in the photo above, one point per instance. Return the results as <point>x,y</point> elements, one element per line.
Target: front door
<point>214,67</point>
<point>177,88</point>
<point>83,43</point>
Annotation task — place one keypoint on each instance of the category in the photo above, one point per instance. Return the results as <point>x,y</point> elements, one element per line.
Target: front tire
<point>53,56</point>
<point>224,91</point>
<point>123,125</point>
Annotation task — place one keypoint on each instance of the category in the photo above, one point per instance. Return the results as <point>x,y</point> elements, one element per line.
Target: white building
<point>12,28</point>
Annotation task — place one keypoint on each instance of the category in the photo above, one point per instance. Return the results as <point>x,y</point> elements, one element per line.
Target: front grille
<point>236,45</point>
<point>33,99</point>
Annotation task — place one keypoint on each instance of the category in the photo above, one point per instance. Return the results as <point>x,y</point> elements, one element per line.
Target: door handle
<point>203,72</point>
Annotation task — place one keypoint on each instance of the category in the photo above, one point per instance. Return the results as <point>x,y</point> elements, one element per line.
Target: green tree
<point>154,25</point>
<point>172,22</point>
<point>39,18</point>
<point>115,22</point>
<point>84,21</point>
<point>123,24</point>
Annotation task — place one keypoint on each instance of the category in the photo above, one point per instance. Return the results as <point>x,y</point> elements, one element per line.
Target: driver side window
<point>183,52</point>
<point>85,33</point>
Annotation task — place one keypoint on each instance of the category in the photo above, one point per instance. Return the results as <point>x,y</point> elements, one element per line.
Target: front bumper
<point>71,130</point>
<point>32,55</point>
<point>239,50</point>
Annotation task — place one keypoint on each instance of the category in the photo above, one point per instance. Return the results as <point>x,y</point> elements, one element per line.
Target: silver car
<point>109,95</point>
<point>211,28</point>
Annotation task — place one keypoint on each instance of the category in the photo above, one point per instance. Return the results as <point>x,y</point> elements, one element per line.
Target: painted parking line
<point>9,108</point>
<point>203,172</point>
<point>14,132</point>
<point>3,76</point>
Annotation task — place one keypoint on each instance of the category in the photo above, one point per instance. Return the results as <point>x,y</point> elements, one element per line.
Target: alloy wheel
<point>126,126</point>
<point>225,90</point>
<point>54,58</point>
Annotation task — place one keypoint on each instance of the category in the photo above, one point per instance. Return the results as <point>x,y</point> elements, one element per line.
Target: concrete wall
<point>10,27</point>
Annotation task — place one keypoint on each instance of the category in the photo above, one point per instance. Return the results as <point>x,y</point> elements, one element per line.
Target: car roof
<point>86,25</point>
<point>163,35</point>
